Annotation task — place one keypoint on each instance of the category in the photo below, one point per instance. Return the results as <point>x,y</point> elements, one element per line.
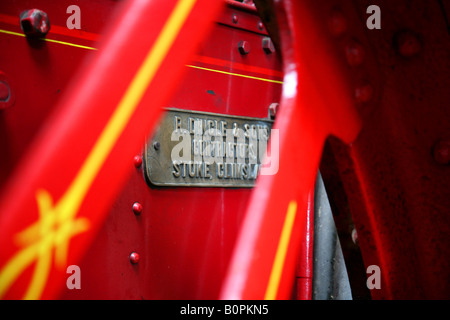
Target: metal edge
<point>220,115</point>
<point>146,170</point>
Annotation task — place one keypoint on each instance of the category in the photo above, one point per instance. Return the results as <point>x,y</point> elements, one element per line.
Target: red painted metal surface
<point>397,195</point>
<point>303,286</point>
<point>170,266</point>
<point>185,236</point>
<point>395,189</point>
<point>39,73</point>
<point>311,108</point>
<point>231,243</point>
<point>69,185</point>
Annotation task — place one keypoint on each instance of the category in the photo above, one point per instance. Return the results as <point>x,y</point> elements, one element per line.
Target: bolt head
<point>156,145</point>
<point>273,109</point>
<point>354,53</point>
<point>441,152</point>
<point>407,43</point>
<point>235,18</point>
<point>267,45</point>
<point>34,23</point>
<point>137,208</point>
<point>244,47</point>
<point>134,258</point>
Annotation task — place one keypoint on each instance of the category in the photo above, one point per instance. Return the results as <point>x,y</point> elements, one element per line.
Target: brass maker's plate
<point>200,149</point>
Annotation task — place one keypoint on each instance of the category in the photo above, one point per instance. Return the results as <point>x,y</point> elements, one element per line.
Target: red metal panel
<point>394,174</point>
<point>185,245</point>
<point>232,94</point>
<point>39,72</point>
<point>397,190</point>
<point>311,108</point>
<point>78,154</point>
<point>235,16</point>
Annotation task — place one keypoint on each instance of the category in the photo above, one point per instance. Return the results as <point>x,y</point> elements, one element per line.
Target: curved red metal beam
<point>315,103</point>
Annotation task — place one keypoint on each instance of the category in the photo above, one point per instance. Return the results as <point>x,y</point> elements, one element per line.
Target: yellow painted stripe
<point>70,44</point>
<point>236,74</point>
<point>13,33</point>
<point>132,96</point>
<point>68,205</point>
<point>190,66</point>
<point>50,40</point>
<point>278,264</point>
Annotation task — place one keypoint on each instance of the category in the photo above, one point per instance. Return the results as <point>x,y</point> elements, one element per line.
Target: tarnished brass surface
<point>199,149</point>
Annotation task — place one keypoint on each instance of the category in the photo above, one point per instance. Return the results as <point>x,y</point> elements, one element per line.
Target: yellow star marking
<point>40,238</point>
<point>55,227</point>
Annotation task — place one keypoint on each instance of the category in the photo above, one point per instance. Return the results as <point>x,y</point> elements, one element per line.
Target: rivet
<point>137,160</point>
<point>354,53</point>
<point>156,145</point>
<point>34,23</point>
<point>4,91</point>
<point>137,208</point>
<point>364,93</point>
<point>134,257</point>
<point>267,45</point>
<point>337,23</point>
<point>244,47</point>
<point>260,25</point>
<point>441,152</point>
<point>234,18</point>
<point>407,43</point>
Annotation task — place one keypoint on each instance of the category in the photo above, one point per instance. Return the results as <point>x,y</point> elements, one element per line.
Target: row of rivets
<point>355,56</point>
<point>407,44</point>
<point>354,53</point>
<point>235,20</point>
<point>244,46</point>
<point>137,209</point>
